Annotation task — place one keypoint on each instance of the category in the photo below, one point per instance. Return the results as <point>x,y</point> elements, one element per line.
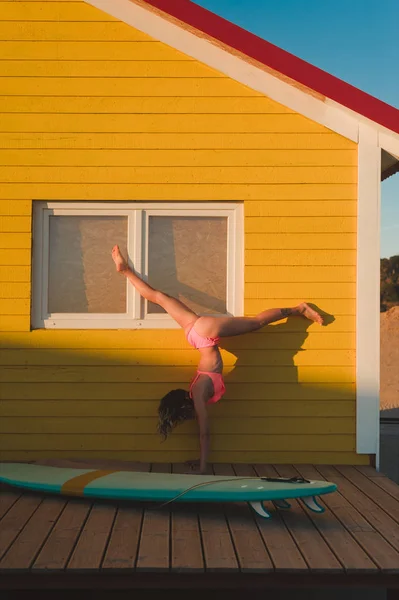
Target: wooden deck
<point>53,542</point>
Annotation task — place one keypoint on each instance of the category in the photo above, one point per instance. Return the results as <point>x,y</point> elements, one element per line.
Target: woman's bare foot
<point>305,310</point>
<point>121,264</point>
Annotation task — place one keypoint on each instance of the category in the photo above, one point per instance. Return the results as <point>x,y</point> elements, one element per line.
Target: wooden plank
<point>16,518</point>
<point>249,545</point>
<point>144,408</point>
<point>166,141</point>
<point>378,495</point>
<point>27,545</point>
<point>190,191</point>
<point>339,152</point>
<point>186,543</point>
<point>15,208</point>
<point>154,545</point>
<point>353,558</point>
<point>175,357</point>
<point>299,257</point>
<point>178,374</point>
<point>91,544</point>
<point>299,274</point>
<point>147,425</point>
<point>374,530</point>
<point>53,11</point>
<point>97,50</point>
<point>62,539</point>
<point>192,175</point>
<point>8,497</point>
<point>381,480</point>
<point>283,550</point>
<point>218,547</point>
<point>222,456</point>
<point>65,31</point>
<point>51,443</point>
<point>196,158</point>
<point>97,340</point>
<point>123,544</point>
<point>313,547</point>
<point>126,391</point>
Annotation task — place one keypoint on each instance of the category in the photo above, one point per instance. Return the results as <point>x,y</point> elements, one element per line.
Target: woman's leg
<point>176,309</point>
<point>230,326</point>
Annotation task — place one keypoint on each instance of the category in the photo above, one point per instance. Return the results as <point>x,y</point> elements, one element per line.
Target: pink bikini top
<point>218,385</point>
<point>197,341</point>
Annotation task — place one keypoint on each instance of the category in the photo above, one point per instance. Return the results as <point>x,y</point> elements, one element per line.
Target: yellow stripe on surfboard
<point>76,485</point>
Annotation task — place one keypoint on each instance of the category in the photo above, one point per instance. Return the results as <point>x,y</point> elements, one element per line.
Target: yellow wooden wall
<point>93,110</point>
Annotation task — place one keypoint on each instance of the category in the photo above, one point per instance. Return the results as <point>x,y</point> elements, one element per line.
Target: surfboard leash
<point>296,479</point>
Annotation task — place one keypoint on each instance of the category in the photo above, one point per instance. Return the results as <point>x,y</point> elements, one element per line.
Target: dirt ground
<point>389,387</point>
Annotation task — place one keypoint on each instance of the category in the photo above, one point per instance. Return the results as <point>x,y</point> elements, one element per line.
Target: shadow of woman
<point>265,361</point>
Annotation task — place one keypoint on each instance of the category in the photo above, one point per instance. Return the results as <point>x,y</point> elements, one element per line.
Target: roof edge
<point>279,60</point>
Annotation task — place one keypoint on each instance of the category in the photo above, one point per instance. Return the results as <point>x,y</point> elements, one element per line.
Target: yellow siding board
<point>128,409</point>
<point>16,306</point>
<point>263,225</point>
<point>96,50</point>
<point>300,241</point>
<point>111,105</point>
<point>293,258</point>
<point>195,158</point>
<point>15,290</point>
<point>51,11</point>
<point>158,357</point>
<point>186,192</point>
<point>305,208</point>
<point>15,207</point>
<point>344,308</point>
<point>133,443</point>
<point>112,69</point>
<point>254,290</point>
<point>151,123</point>
<point>15,240</point>
<point>281,457</point>
<point>138,86</point>
<point>140,341</point>
<point>162,374</point>
<point>95,425</point>
<point>69,31</point>
<point>65,340</point>
<point>199,175</point>
<point>14,323</point>
<point>15,224</point>
<point>22,274</point>
<point>300,274</point>
<point>15,257</point>
<point>178,141</point>
<point>134,391</point>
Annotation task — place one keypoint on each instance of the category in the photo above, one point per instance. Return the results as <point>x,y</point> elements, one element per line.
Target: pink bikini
<point>197,341</point>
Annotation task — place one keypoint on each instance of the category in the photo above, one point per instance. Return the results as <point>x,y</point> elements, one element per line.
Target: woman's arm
<point>199,398</point>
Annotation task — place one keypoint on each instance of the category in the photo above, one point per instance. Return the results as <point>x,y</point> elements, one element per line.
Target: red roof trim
<point>281,61</point>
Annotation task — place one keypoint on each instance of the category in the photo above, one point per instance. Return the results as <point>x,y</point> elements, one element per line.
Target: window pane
<point>82,275</point>
<point>187,259</point>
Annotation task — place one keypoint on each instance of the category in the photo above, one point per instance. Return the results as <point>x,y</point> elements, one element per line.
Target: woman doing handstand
<point>203,333</point>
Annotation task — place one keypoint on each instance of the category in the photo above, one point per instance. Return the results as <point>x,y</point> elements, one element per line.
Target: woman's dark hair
<point>173,409</point>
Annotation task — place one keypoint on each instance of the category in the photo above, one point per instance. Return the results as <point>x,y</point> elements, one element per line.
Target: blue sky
<point>355,40</point>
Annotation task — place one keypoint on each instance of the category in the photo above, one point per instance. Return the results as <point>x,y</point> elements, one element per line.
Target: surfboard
<point>165,488</point>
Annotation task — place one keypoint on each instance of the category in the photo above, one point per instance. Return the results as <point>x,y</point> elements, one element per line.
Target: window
<point>191,251</point>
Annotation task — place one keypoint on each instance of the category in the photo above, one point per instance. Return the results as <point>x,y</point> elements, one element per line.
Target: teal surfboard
<point>165,488</point>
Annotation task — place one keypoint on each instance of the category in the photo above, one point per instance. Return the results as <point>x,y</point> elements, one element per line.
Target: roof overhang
<point>389,165</point>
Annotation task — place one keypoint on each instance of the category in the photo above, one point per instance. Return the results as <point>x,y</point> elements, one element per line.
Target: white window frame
<point>138,214</point>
